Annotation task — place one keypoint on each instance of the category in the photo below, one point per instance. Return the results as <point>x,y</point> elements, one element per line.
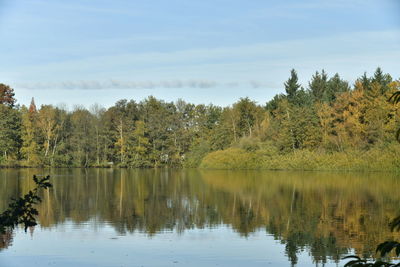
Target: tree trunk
<point>122,141</point>
<point>291,131</point>
<point>234,128</point>
<point>97,146</point>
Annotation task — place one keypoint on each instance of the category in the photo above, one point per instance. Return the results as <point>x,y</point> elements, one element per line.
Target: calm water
<point>105,217</point>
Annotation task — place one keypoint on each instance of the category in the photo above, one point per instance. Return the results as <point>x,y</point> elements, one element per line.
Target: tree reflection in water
<point>326,214</point>
<point>5,240</point>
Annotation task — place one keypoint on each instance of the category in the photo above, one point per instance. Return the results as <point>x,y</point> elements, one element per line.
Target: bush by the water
<point>375,159</point>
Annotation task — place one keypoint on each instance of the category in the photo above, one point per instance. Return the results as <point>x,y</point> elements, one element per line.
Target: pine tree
<point>292,87</point>
<point>335,86</point>
<point>319,86</point>
<point>364,81</point>
<point>381,79</point>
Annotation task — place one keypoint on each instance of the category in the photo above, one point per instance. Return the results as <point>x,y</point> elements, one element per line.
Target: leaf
<point>21,210</point>
<point>395,223</point>
<point>386,247</point>
<point>351,257</point>
<point>395,97</point>
<point>397,250</point>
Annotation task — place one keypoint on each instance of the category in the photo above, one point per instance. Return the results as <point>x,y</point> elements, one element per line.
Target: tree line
<point>327,116</point>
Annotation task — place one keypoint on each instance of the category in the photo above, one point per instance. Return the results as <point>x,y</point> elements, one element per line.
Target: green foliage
<point>249,144</point>
<point>268,156</point>
<point>382,79</point>
<point>274,102</point>
<point>327,118</point>
<point>244,115</point>
<point>30,136</point>
<point>319,85</point>
<point>335,87</point>
<point>195,156</point>
<point>231,158</point>
<point>292,87</point>
<point>22,210</point>
<point>10,133</point>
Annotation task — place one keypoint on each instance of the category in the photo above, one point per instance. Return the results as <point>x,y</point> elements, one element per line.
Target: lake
<point>119,217</point>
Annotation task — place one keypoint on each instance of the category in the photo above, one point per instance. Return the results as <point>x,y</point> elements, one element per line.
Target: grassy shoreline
<point>372,160</point>
<point>382,158</point>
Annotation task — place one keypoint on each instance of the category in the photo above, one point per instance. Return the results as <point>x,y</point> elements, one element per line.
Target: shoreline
<point>210,169</point>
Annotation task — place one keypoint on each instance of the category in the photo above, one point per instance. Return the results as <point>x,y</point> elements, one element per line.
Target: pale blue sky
<point>87,51</point>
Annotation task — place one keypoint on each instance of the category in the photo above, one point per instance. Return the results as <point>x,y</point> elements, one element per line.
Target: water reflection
<point>327,214</point>
<point>5,240</point>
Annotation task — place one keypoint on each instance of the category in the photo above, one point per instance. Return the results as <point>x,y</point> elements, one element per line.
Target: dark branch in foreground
<point>21,210</point>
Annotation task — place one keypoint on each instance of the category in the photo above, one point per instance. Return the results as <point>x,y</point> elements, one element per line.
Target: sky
<point>81,52</point>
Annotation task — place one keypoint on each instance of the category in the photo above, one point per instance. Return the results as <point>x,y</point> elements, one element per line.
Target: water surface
<point>106,217</point>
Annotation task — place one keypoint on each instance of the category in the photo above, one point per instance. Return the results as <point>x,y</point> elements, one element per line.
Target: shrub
<point>268,157</point>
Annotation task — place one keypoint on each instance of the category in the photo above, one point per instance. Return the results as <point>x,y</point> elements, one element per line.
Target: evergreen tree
<point>10,124</point>
<point>364,81</point>
<point>335,86</point>
<point>10,132</point>
<point>318,86</point>
<point>292,87</point>
<point>274,102</point>
<point>382,79</point>
<point>329,115</point>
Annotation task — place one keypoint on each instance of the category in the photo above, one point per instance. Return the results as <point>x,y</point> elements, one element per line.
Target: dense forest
<point>330,124</point>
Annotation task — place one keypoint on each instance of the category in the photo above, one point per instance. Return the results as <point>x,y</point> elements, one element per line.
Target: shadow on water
<point>327,214</point>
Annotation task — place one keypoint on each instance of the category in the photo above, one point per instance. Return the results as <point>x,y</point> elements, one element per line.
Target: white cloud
<point>123,84</point>
<point>118,84</point>
<point>348,54</point>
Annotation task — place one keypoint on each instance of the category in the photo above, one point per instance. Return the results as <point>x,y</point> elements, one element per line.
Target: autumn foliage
<point>6,95</point>
<point>327,124</point>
